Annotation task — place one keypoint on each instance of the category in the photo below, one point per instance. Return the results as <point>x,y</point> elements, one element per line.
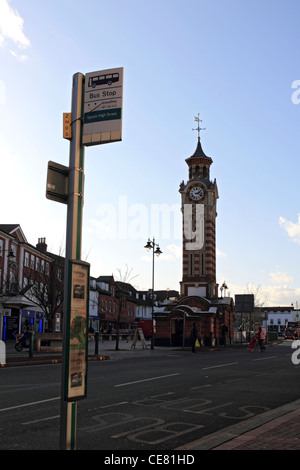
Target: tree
<point>126,276</point>
<point>260,300</point>
<point>46,289</point>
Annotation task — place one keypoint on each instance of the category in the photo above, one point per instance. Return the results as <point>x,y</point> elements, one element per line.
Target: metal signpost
<point>95,118</point>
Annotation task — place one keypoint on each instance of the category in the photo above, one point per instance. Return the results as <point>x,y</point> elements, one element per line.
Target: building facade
<point>25,283</point>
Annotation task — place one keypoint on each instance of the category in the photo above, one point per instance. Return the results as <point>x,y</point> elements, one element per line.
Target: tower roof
<point>198,153</point>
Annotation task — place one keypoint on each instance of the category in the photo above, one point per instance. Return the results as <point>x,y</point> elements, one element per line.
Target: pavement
<point>277,429</point>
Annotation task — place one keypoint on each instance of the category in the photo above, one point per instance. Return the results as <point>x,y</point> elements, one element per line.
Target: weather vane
<point>197,119</point>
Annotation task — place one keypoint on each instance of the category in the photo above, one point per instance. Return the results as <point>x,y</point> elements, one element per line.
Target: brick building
<point>25,282</point>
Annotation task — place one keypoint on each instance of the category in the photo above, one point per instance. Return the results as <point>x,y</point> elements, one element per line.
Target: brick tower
<point>198,204</point>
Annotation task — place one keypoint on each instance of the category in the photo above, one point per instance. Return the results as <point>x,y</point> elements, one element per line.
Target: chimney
<point>42,245</point>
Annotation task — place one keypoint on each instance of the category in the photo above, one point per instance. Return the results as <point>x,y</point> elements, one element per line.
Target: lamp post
<point>224,286</point>
<point>151,246</point>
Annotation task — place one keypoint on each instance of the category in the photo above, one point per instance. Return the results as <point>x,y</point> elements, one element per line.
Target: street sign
<point>244,303</point>
<point>67,128</point>
<point>103,95</point>
<point>57,182</point>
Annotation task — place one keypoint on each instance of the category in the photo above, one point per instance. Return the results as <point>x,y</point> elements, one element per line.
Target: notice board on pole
<point>77,336</point>
<point>103,95</point>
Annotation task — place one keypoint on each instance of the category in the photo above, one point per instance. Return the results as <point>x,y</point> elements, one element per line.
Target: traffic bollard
<point>96,343</point>
<point>31,342</point>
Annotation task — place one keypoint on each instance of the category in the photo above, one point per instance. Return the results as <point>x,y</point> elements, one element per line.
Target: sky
<point>235,62</point>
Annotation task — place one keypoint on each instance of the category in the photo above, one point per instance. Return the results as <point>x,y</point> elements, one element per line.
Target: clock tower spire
<point>198,204</point>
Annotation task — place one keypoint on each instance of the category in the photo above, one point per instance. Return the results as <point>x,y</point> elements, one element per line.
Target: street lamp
<point>151,246</point>
<point>223,286</point>
<point>10,255</point>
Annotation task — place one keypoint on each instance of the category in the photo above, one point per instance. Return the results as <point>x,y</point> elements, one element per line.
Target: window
<point>191,264</point>
<point>37,264</point>
<point>26,259</point>
<point>1,247</point>
<point>47,269</point>
<point>59,274</point>
<point>32,259</point>
<point>42,266</point>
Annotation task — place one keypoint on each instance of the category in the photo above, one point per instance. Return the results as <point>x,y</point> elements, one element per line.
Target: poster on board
<point>77,357</point>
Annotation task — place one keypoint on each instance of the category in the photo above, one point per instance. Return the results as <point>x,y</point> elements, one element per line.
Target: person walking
<point>261,336</point>
<point>194,336</point>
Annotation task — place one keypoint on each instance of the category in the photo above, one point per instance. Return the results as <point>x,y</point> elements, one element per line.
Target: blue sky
<point>234,62</point>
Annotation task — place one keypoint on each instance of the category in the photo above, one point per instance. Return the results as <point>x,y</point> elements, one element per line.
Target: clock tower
<point>199,304</point>
<point>198,205</point>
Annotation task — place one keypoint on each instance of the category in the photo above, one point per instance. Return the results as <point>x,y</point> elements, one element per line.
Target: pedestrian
<point>261,336</point>
<point>224,334</point>
<point>194,336</point>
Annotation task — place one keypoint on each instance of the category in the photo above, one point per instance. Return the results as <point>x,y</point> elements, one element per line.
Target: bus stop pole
<point>68,416</point>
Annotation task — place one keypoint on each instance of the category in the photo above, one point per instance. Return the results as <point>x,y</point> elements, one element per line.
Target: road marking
<point>146,380</point>
<point>29,404</point>
<point>42,419</point>
<point>115,404</point>
<point>201,386</point>
<point>220,365</point>
<point>264,358</point>
<point>204,412</point>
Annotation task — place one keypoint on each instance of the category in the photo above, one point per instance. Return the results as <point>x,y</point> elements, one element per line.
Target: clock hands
<point>196,193</point>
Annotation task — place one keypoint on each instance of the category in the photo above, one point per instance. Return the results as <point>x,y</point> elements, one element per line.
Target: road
<point>157,402</point>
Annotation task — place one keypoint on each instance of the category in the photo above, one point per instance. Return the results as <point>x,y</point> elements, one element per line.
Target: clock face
<point>196,193</point>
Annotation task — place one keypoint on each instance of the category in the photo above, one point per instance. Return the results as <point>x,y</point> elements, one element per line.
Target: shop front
<point>17,314</point>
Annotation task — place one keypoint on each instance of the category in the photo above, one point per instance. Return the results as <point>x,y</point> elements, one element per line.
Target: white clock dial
<point>196,193</point>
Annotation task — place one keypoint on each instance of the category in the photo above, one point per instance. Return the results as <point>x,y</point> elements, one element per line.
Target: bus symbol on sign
<point>105,79</point>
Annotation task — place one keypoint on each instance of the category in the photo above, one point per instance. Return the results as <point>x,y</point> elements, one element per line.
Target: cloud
<point>2,92</point>
<point>270,295</point>
<point>20,57</point>
<point>176,250</point>
<point>292,229</point>
<point>280,295</point>
<point>220,253</point>
<point>281,278</point>
<point>11,27</point>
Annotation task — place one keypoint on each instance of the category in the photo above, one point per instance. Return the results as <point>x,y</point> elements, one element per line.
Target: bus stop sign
<point>103,95</point>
